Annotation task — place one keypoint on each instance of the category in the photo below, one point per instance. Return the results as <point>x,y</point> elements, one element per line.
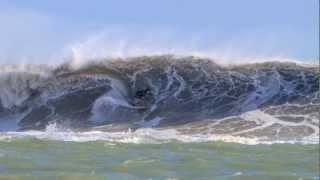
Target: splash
<point>119,44</point>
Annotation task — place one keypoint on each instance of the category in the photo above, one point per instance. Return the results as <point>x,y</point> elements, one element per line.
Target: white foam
<point>141,136</point>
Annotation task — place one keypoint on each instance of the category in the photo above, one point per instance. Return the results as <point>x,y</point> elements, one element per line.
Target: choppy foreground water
<point>30,158</point>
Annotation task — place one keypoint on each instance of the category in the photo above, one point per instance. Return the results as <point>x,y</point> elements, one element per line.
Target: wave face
<point>277,101</point>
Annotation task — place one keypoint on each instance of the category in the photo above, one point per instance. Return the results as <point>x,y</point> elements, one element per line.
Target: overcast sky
<point>43,31</point>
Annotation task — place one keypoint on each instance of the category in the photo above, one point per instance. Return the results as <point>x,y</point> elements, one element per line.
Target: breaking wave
<point>152,99</point>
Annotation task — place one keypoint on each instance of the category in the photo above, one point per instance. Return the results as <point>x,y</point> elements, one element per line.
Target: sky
<point>43,31</point>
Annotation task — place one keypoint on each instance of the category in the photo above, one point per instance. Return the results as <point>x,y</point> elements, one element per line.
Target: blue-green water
<point>30,158</point>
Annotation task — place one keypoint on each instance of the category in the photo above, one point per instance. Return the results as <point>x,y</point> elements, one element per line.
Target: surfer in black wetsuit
<point>142,93</point>
<point>141,97</point>
<point>34,92</point>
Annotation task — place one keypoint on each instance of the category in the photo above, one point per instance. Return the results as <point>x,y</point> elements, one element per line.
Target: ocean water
<point>45,155</point>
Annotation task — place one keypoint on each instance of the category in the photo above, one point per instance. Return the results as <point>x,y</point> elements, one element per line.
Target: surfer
<point>141,97</point>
